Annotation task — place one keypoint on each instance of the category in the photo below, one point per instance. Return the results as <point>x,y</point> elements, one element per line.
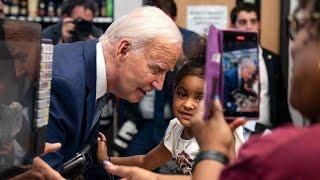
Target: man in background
<point>76,23</point>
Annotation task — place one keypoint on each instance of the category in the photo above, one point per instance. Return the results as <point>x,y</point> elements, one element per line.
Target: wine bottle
<point>42,8</point>
<point>51,9</point>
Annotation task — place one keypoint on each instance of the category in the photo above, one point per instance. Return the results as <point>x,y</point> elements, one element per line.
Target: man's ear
<point>122,49</point>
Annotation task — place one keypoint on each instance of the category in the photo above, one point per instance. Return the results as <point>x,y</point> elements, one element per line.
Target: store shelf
<point>55,19</point>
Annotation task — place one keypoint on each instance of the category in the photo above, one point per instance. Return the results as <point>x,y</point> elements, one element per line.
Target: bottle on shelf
<point>6,8</point>
<point>23,8</point>
<point>14,8</point>
<point>58,10</point>
<point>109,8</point>
<point>51,8</point>
<point>42,8</point>
<point>102,8</point>
<point>33,8</point>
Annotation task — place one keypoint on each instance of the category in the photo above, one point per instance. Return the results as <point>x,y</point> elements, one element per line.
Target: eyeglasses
<point>298,19</point>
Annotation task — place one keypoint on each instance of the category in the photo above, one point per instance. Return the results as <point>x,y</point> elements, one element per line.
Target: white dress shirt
<point>101,82</point>
<point>264,108</point>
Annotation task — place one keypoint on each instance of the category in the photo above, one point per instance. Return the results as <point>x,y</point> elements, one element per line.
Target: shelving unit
<point>55,19</point>
<point>47,12</point>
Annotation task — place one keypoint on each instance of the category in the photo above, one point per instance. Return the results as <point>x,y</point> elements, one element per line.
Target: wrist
<point>211,155</point>
<point>216,148</point>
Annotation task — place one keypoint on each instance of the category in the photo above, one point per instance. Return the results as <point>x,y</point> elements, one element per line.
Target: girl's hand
<point>102,149</point>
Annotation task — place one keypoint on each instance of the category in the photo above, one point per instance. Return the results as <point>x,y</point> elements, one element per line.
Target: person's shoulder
<point>231,72</point>
<point>266,145</point>
<point>174,123</point>
<point>285,153</point>
<point>97,32</point>
<point>188,33</point>
<point>52,30</point>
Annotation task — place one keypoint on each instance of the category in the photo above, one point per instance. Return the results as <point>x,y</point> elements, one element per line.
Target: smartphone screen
<point>240,74</point>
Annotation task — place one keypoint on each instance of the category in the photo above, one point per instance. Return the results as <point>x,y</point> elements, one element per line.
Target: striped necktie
<point>99,106</point>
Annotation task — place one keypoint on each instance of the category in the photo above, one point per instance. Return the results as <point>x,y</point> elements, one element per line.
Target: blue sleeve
<point>62,121</point>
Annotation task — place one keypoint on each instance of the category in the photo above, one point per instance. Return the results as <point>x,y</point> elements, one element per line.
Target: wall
<point>270,18</point>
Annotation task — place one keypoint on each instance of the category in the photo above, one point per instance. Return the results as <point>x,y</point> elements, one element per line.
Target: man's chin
<point>135,98</point>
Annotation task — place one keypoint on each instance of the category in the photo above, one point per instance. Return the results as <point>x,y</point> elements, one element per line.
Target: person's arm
<point>153,159</point>
<point>131,173</point>
<point>207,169</point>
<point>221,140</point>
<point>41,170</point>
<point>62,119</point>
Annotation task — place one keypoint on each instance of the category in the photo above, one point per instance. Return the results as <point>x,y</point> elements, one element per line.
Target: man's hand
<point>67,29</point>
<point>51,147</point>
<point>40,169</point>
<point>215,133</point>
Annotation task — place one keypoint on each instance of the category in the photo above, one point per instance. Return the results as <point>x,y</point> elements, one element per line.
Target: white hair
<point>143,26</point>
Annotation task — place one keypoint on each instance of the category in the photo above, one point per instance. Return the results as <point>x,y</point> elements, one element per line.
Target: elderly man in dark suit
<point>235,79</point>
<point>130,59</point>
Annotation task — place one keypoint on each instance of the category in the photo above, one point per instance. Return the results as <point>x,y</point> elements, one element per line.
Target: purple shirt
<point>287,153</point>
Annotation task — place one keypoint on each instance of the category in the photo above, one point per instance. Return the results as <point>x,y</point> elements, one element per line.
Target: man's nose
<point>249,26</point>
<point>158,83</point>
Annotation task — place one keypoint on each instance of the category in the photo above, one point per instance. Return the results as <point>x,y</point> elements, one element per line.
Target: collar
<point>250,126</point>
<point>101,82</point>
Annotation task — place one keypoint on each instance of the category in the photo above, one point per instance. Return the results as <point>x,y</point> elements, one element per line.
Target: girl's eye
<point>199,98</point>
<point>181,94</point>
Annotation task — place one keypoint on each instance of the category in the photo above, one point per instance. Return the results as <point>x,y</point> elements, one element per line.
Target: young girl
<point>178,142</point>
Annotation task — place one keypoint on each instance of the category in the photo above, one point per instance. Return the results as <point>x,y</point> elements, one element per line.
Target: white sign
<point>199,18</point>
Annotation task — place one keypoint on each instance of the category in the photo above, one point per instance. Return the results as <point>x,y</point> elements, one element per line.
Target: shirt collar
<point>250,126</point>
<point>101,83</point>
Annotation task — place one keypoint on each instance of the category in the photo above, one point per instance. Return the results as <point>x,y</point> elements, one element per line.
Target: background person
<point>76,23</point>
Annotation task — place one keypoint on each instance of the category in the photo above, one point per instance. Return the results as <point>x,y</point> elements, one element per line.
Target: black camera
<point>83,29</point>
<point>77,165</point>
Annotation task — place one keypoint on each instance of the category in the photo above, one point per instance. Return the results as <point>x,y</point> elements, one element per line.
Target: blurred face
<point>1,10</point>
<point>247,21</point>
<point>81,12</point>
<point>26,57</point>
<point>187,97</point>
<point>248,71</point>
<point>144,71</point>
<point>305,78</point>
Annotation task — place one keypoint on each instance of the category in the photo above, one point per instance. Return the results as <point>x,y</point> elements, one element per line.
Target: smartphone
<point>232,73</point>
<point>240,74</point>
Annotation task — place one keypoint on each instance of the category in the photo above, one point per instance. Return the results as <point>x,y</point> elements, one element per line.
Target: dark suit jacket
<point>279,110</point>
<point>231,83</point>
<point>53,32</point>
<point>73,96</point>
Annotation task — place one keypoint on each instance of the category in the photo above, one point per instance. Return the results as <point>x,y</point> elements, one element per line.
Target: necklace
<point>178,143</point>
